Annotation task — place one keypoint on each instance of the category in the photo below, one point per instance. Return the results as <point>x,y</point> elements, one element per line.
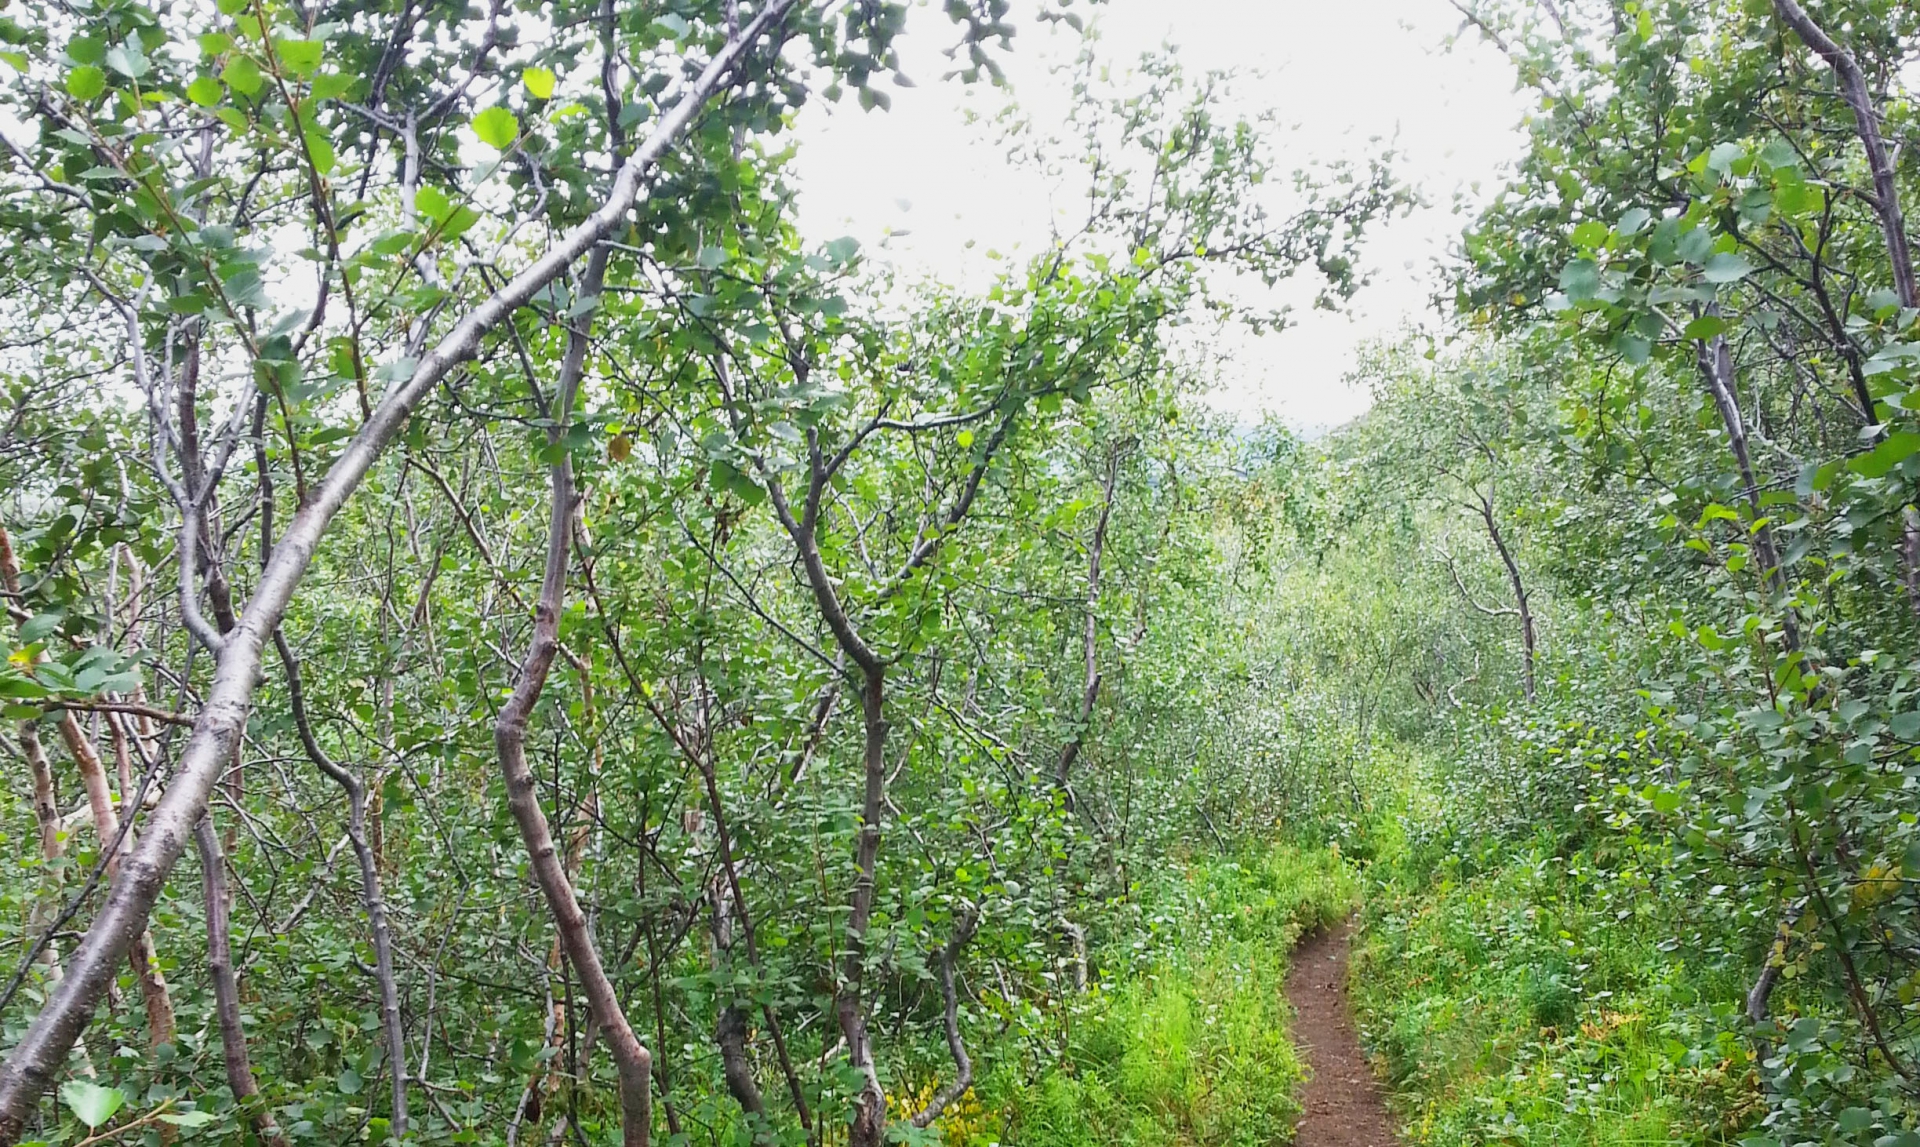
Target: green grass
<point>1186,1044</point>
<point>1542,1001</point>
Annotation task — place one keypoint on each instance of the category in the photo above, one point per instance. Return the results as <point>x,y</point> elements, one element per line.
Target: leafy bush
<point>1544,1000</point>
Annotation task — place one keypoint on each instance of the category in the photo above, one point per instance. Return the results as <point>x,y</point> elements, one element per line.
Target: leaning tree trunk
<point>35,1061</point>
<point>106,825</point>
<point>869,1127</point>
<point>1090,637</point>
<point>1522,603</point>
<point>1716,369</point>
<point>46,818</point>
<point>1866,120</point>
<point>46,905</point>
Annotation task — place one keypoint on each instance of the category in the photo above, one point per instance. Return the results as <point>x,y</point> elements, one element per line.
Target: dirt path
<point>1345,1106</point>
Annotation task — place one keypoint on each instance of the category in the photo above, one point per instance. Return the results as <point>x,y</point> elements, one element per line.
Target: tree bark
<point>162,1026</point>
<point>226,987</point>
<point>143,958</point>
<point>632,1060</point>
<point>371,898</point>
<point>1910,553</point>
<point>1716,369</point>
<point>35,1061</point>
<point>1521,601</point>
<point>729,901</point>
<point>730,1030</point>
<point>950,999</point>
<point>1866,120</point>
<point>1090,641</point>
<point>869,1127</point>
<point>46,815</point>
<point>1893,227</point>
<point>46,905</point>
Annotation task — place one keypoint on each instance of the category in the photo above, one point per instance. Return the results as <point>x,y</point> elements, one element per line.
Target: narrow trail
<point>1344,1103</point>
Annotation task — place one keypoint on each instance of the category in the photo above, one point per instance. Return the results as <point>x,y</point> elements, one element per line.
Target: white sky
<point>1345,72</point>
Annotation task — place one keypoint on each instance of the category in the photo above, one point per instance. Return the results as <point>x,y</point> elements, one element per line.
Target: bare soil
<point>1345,1104</point>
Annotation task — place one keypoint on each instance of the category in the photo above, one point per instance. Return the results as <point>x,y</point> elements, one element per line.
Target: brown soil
<point>1345,1106</point>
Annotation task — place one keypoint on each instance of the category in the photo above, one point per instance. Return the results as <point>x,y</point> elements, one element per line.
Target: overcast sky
<point>1346,73</point>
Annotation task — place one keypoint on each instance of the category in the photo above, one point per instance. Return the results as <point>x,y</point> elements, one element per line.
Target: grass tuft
<point>1186,1045</point>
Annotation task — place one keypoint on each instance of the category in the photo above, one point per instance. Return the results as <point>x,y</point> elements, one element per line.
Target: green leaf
<point>457,224</point>
<point>724,476</point>
<point>188,1118</point>
<point>1705,327</point>
<point>1722,158</point>
<point>1695,245</point>
<point>431,202</point>
<point>205,91</point>
<point>321,149</point>
<point>1580,279</point>
<point>1632,222</point>
<point>1893,449</point>
<point>86,82</point>
<point>300,57</point>
<point>90,1102</point>
<point>1891,357</point>
<point>497,128</point>
<point>332,86</point>
<point>21,688</point>
<point>1726,267</point>
<point>350,1082</point>
<point>39,626</point>
<point>243,75</point>
<point>1592,233</point>
<point>842,250</point>
<point>1779,153</point>
<point>128,60</point>
<point>245,288</point>
<point>539,82</point>
<point>1632,347</point>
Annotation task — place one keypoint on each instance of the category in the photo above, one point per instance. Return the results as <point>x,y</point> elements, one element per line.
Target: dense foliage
<point>1674,422</point>
<point>622,671</point>
<point>506,640</point>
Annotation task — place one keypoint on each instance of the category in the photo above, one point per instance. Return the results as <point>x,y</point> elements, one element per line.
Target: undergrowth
<point>1535,993</point>
<point>1183,1039</point>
